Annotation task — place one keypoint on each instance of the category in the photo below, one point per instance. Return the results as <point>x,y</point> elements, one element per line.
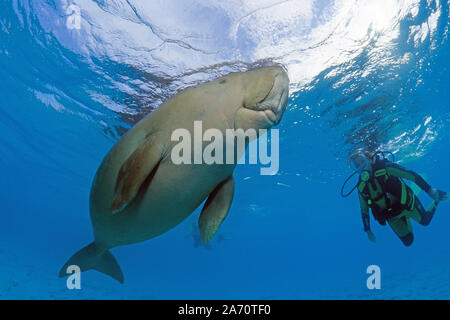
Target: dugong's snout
<point>272,87</point>
<point>277,99</point>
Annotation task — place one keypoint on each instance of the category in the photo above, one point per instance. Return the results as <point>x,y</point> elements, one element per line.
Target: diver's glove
<point>438,195</point>
<point>371,236</point>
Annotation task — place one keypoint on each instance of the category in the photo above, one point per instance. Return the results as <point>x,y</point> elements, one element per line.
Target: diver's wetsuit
<point>392,200</point>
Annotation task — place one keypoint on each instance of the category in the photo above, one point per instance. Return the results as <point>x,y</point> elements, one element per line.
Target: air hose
<point>345,183</point>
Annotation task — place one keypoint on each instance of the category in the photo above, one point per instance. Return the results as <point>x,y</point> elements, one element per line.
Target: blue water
<point>363,73</point>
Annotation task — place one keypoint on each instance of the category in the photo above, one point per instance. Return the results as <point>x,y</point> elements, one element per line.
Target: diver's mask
<point>360,162</point>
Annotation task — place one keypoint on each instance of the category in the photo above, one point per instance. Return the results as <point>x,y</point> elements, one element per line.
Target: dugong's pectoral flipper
<point>216,209</point>
<point>133,173</point>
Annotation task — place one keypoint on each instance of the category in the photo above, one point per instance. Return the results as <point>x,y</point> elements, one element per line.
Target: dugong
<point>139,192</point>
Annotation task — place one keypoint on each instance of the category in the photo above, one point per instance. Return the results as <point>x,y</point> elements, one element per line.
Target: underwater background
<point>76,75</point>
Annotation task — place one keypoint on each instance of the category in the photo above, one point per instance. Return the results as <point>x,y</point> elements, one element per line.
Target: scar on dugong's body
<point>138,193</point>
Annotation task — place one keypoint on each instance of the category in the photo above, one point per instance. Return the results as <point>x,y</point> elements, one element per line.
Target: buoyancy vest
<point>386,195</point>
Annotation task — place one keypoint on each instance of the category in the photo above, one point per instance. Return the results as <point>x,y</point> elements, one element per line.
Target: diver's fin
<point>216,209</point>
<point>444,196</point>
<point>90,257</point>
<point>415,188</point>
<point>133,173</point>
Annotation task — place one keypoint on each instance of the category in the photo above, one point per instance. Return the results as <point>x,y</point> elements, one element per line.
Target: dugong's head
<point>266,92</point>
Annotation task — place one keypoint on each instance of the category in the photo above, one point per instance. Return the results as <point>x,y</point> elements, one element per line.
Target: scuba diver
<point>198,242</point>
<point>382,189</point>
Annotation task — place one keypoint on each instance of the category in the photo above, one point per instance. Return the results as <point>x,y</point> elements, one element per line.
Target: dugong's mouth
<point>271,116</point>
<point>272,107</point>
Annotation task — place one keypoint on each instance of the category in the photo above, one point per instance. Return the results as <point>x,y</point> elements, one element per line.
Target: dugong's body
<point>139,193</point>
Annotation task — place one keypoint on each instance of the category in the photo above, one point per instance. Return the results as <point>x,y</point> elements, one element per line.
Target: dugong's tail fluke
<point>91,257</point>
